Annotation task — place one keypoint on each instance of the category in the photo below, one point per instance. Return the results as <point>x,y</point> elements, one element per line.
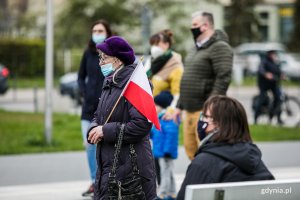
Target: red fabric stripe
<point>142,101</point>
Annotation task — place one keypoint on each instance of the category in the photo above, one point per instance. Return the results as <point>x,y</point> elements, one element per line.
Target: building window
<point>264,15</point>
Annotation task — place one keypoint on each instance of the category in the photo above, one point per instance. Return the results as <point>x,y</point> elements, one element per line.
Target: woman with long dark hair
<point>90,81</point>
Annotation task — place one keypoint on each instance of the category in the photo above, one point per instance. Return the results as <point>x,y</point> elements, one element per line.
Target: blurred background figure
<point>226,152</point>
<point>166,66</point>
<point>165,73</point>
<point>165,147</point>
<point>207,72</point>
<point>90,81</point>
<point>269,76</point>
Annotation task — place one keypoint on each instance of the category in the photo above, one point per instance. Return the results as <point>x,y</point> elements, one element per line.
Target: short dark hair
<point>207,15</point>
<point>92,45</point>
<point>230,116</point>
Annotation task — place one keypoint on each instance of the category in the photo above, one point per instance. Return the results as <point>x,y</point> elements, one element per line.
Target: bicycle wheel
<point>291,111</point>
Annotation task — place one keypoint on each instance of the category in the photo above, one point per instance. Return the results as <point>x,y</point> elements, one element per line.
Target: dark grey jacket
<point>137,130</point>
<point>207,72</point>
<point>223,162</point>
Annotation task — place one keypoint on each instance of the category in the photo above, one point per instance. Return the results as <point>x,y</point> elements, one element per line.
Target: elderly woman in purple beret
<point>117,58</point>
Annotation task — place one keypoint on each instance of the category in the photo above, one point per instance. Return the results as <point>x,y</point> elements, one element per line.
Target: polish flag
<point>138,93</point>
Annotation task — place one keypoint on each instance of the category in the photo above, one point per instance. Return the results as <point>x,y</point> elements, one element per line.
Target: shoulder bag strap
<point>117,151</point>
<point>133,157</point>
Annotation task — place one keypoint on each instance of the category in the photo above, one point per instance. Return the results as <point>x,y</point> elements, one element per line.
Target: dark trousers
<point>275,108</point>
<point>157,169</point>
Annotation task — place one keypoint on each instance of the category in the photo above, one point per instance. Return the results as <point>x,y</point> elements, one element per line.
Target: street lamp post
<point>49,73</point>
<point>146,26</point>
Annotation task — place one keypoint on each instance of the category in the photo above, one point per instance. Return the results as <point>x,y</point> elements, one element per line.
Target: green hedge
<point>23,57</point>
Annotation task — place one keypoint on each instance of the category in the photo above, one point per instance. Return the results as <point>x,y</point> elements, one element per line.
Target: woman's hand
<point>168,114</point>
<point>177,116</point>
<point>95,135</point>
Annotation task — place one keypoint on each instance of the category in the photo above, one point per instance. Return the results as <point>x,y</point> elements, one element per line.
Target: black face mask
<point>196,32</point>
<point>202,125</point>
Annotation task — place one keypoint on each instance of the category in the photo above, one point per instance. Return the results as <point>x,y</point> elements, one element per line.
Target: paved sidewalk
<point>72,166</point>
<point>72,190</point>
<point>46,191</point>
<point>64,176</point>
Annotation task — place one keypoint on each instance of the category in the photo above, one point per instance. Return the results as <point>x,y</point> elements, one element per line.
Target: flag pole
<point>141,59</point>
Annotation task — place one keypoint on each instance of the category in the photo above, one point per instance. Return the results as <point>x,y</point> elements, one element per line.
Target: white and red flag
<point>138,92</point>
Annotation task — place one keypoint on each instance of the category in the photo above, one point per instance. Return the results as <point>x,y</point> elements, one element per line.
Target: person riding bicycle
<point>269,76</point>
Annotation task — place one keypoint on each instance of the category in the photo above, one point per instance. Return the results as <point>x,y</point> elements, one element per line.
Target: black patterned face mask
<point>202,125</point>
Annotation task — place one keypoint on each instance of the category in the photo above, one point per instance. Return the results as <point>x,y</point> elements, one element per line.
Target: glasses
<point>103,58</point>
<point>206,117</point>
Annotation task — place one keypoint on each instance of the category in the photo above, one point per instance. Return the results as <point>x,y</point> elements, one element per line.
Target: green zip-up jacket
<point>207,72</point>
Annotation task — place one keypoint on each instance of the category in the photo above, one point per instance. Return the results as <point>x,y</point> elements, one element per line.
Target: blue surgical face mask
<point>98,38</point>
<point>107,69</point>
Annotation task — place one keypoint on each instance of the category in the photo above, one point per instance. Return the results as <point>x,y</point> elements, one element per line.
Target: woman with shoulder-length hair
<point>226,153</point>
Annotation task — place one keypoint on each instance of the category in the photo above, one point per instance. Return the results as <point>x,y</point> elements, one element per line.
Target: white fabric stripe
<point>140,78</point>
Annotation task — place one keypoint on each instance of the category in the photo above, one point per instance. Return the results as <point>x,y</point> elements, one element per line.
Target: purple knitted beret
<point>117,47</point>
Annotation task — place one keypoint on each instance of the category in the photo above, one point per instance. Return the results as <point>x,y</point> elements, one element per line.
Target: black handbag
<point>131,187</point>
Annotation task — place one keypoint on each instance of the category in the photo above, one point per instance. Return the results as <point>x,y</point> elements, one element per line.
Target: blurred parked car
<point>69,86</point>
<point>290,65</point>
<point>247,56</point>
<point>4,72</point>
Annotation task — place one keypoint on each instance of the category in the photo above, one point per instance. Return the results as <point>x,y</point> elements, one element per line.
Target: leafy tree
<point>241,20</point>
<point>74,22</point>
<point>294,44</point>
<point>12,16</point>
<point>124,16</point>
<point>176,19</point>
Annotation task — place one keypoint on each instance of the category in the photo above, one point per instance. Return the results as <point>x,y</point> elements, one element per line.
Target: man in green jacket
<point>207,72</point>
